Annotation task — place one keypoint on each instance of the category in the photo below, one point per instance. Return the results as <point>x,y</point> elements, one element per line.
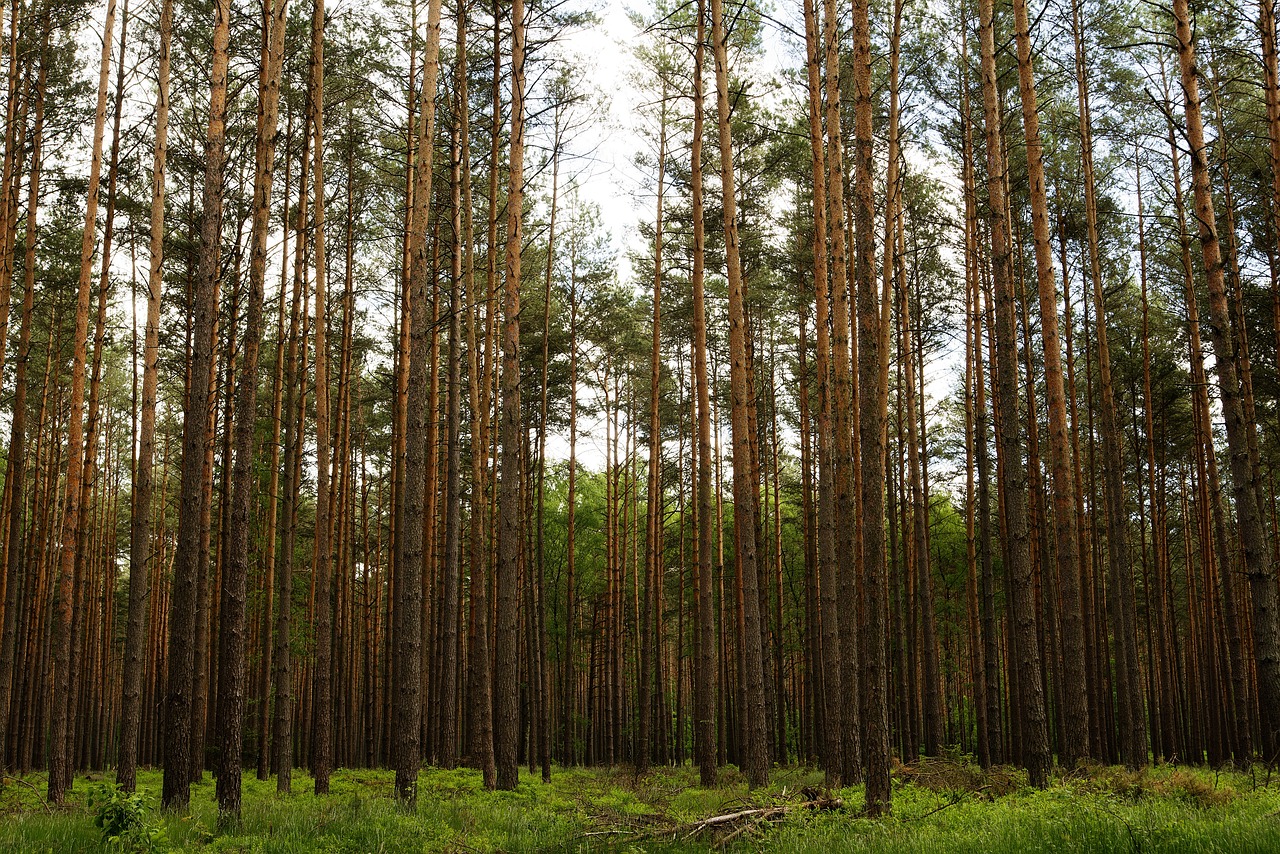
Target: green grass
<point>944,807</point>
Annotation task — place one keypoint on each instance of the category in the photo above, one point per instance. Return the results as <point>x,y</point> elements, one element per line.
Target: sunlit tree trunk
<point>755,759</point>
<point>1074,709</point>
<point>832,697</point>
<point>873,384</point>
<point>60,759</point>
<point>1253,537</point>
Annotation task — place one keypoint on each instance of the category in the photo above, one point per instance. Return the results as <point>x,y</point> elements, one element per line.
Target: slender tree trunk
<point>141,546</point>
<point>15,473</point>
<point>873,387</point>
<point>231,633</point>
<point>653,498</point>
<point>755,758</point>
<point>1031,712</point>
<point>407,689</point>
<point>295,401</point>
<point>322,700</point>
<point>1133,735</point>
<point>705,679</point>
<point>1253,537</point>
<point>1074,709</point>
<point>831,662</point>
<point>60,760</point>
<point>452,564</point>
<point>506,734</point>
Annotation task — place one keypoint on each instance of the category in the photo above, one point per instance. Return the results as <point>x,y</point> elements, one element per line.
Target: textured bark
<point>294,406</point>
<point>15,471</point>
<point>479,667</point>
<point>60,760</point>
<point>451,565</point>
<point>322,699</point>
<point>1253,536</point>
<point>1074,708</point>
<point>704,712</point>
<point>195,437</point>
<point>754,752</point>
<point>506,730</point>
<point>873,384</point>
<point>16,96</point>
<point>831,662</point>
<point>407,688</point>
<point>846,522</point>
<point>269,557</point>
<point>1031,711</point>
<point>231,633</point>
<point>653,495</point>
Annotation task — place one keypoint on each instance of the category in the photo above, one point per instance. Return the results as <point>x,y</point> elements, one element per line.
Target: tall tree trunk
<point>322,701</point>
<point>141,547</point>
<point>653,497</point>
<point>1074,709</point>
<point>231,633</point>
<point>1133,732</point>
<point>15,472</point>
<point>479,662</point>
<point>294,404</point>
<point>506,733</point>
<point>1031,712</point>
<point>705,679</point>
<point>755,758</point>
<point>407,689</point>
<point>831,662</point>
<point>452,564</point>
<point>60,760</point>
<point>873,384</point>
<point>1253,537</point>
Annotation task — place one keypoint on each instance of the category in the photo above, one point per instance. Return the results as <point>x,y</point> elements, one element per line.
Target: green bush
<point>127,821</point>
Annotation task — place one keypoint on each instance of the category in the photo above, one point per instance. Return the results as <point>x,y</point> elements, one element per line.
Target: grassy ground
<point>938,807</point>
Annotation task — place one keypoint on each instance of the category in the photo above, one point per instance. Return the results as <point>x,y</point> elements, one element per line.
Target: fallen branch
<point>39,798</point>
<point>738,823</point>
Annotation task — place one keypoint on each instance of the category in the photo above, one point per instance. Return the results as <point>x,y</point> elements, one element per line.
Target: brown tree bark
<point>60,760</point>
<point>195,439</point>
<point>407,687</point>
<point>479,666</point>
<point>1133,731</point>
<point>506,728</point>
<point>755,759</point>
<point>141,546</point>
<point>705,675</point>
<point>322,700</point>
<point>231,634</point>
<point>15,472</point>
<point>1253,537</point>
<point>1031,712</point>
<point>873,384</point>
<point>1074,709</point>
<point>831,662</point>
<point>451,565</point>
<point>653,497</point>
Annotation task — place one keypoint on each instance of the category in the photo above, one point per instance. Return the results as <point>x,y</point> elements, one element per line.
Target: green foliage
<point>940,805</point>
<point>127,820</point>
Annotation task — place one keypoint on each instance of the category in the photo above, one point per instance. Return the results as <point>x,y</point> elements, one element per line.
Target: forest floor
<point>939,806</point>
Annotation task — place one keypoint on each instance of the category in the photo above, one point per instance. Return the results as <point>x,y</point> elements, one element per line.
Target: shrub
<point>127,821</point>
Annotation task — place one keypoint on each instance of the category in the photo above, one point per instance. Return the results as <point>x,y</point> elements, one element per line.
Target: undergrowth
<point>948,805</point>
